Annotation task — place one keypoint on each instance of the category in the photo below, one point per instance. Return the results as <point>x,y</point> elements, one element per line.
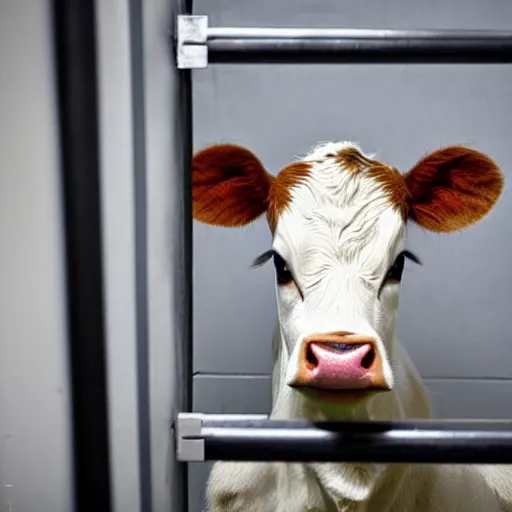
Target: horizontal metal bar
<point>238,439</point>
<point>214,33</point>
<point>355,50</point>
<point>198,45</point>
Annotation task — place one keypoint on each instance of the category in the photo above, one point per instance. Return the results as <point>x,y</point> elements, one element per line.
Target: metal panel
<point>167,109</point>
<point>118,197</point>
<point>36,471</point>
<point>454,310</point>
<point>409,14</point>
<point>471,398</point>
<point>232,394</point>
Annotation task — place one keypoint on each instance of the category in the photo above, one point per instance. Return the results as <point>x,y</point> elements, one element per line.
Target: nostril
<point>310,357</point>
<point>368,359</point>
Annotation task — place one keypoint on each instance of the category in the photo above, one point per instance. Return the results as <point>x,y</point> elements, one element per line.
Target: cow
<point>338,220</point>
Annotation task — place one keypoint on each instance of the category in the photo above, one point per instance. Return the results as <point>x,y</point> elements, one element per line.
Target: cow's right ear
<point>230,186</point>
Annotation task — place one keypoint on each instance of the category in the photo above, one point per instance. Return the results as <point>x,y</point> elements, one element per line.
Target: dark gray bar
<point>418,442</point>
<point>351,46</point>
<point>376,34</point>
<point>180,224</point>
<point>75,46</point>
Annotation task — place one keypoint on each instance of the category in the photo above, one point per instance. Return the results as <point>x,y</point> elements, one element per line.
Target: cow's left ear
<point>452,188</point>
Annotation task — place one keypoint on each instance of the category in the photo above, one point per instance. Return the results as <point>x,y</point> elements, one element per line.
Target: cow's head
<point>338,219</point>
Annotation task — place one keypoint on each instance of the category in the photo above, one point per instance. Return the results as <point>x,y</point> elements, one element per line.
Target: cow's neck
<point>346,484</point>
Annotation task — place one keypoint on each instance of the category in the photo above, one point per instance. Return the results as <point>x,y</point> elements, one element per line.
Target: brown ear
<point>452,188</point>
<point>230,186</point>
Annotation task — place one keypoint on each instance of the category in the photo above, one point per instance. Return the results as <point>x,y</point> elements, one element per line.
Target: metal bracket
<point>189,446</point>
<point>189,430</point>
<point>192,36</point>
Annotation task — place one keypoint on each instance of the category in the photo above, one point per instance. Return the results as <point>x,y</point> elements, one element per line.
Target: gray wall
<point>455,309</point>
<point>35,464</point>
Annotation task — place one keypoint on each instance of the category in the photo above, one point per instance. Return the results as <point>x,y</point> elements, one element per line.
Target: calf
<point>338,220</point>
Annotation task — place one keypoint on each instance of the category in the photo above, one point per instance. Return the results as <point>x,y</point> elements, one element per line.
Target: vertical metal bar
<point>185,115</point>
<point>141,261</point>
<point>77,83</point>
<point>116,123</point>
<point>168,147</point>
<point>185,344</point>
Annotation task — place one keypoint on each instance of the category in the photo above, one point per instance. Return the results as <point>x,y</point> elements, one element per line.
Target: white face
<point>334,246</point>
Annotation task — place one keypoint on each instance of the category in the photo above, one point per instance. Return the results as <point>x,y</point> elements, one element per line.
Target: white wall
<point>35,464</point>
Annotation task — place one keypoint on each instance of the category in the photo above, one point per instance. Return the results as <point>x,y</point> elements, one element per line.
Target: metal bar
<point>141,257</point>
<point>184,255</point>
<point>199,45</point>
<point>185,299</point>
<point>118,122</point>
<point>357,50</point>
<point>75,42</point>
<point>417,442</point>
<point>214,33</point>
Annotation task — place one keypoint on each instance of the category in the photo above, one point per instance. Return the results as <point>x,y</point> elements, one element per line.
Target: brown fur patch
<point>280,192</point>
<point>353,160</point>
<point>394,185</point>
<point>391,180</point>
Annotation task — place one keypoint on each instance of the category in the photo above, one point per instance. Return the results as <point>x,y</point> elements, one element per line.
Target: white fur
<point>339,236</point>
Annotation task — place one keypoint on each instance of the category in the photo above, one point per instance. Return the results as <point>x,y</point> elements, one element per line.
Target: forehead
<point>337,176</point>
<point>341,194</point>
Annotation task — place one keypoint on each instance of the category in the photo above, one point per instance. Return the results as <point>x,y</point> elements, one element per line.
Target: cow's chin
<point>337,403</point>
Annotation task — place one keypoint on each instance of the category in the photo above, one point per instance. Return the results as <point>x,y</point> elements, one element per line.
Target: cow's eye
<point>395,272</point>
<point>283,273</point>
